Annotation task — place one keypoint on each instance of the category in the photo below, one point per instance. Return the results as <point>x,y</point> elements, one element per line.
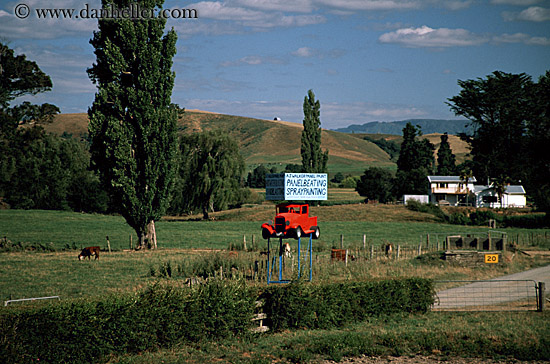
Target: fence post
<point>364,241</point>
<point>398,253</point>
<point>372,252</point>
<point>342,241</point>
<point>420,249</point>
<point>540,294</point>
<point>108,243</point>
<point>244,242</point>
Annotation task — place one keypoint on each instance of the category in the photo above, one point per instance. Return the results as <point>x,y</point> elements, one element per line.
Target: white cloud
<point>304,52</point>
<point>372,4</point>
<point>522,38</point>
<point>533,14</point>
<point>253,61</point>
<point>457,4</point>
<point>302,6</point>
<point>32,27</point>
<point>432,38</point>
<point>515,2</point>
<point>307,52</point>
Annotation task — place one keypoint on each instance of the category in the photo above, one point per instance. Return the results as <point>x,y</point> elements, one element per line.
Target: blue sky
<point>366,60</point>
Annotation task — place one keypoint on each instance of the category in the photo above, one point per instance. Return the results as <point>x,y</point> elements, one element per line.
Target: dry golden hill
<point>275,143</point>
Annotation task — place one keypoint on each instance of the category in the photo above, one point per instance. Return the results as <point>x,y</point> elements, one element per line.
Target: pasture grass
<point>500,336</point>
<point>32,274</point>
<point>379,223</point>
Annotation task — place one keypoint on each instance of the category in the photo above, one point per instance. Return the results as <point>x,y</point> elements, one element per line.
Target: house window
<point>442,185</point>
<point>490,199</point>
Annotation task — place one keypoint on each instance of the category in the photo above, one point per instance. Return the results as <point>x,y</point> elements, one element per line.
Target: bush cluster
<point>162,316</point>
<point>305,306</point>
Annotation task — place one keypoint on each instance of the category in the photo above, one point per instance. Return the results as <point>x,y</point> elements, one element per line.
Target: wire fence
<point>492,295</point>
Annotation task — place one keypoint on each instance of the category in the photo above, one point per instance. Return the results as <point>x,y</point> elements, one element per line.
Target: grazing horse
<point>88,252</point>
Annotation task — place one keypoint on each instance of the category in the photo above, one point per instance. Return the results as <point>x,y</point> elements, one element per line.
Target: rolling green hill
<point>275,143</point>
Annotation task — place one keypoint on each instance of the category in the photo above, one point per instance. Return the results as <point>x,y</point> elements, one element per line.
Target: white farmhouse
<point>514,196</point>
<point>451,190</point>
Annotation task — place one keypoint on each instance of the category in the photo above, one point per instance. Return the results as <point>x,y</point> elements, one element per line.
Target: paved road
<point>519,288</point>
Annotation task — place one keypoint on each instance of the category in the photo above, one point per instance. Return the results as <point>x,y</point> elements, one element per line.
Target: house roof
<point>510,190</point>
<point>455,179</point>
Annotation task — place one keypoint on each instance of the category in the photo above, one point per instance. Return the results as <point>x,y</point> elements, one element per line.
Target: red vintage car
<point>291,221</point>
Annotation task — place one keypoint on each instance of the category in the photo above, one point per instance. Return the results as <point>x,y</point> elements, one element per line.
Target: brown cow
<point>88,252</point>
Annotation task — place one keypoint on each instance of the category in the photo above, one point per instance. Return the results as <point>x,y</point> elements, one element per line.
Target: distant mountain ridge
<point>428,126</point>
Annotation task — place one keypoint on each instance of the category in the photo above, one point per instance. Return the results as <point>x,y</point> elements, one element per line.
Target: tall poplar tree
<point>415,163</point>
<point>132,124</point>
<point>446,160</point>
<point>314,160</point>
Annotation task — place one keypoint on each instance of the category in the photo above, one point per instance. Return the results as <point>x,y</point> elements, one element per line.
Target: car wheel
<point>316,232</point>
<point>265,233</point>
<point>298,233</point>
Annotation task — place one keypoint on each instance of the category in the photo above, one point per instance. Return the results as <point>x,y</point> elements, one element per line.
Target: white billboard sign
<point>297,186</point>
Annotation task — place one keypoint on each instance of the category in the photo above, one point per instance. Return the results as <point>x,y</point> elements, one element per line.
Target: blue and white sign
<point>296,186</point>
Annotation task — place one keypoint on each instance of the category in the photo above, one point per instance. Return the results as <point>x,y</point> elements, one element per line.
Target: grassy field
<point>499,336</point>
<point>24,274</point>
<point>186,244</point>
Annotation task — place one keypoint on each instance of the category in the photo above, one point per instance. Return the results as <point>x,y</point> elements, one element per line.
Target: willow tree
<point>132,123</point>
<point>314,160</point>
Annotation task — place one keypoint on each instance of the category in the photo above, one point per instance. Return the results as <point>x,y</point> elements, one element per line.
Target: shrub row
<point>88,332</point>
<point>300,306</point>
<point>482,217</point>
<point>162,316</point>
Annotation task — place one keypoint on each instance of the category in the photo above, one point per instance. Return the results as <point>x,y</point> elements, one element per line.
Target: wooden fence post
<point>244,242</point>
<point>341,241</point>
<point>398,253</point>
<point>541,298</point>
<point>364,241</point>
<point>372,252</point>
<point>108,243</point>
<point>131,242</point>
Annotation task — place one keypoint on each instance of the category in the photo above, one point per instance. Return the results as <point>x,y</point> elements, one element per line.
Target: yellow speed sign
<point>491,258</point>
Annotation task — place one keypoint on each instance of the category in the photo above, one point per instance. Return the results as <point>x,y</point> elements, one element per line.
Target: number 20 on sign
<point>491,258</point>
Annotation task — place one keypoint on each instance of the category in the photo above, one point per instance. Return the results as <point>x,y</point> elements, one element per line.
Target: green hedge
<point>161,316</point>
<point>87,332</point>
<point>300,306</point>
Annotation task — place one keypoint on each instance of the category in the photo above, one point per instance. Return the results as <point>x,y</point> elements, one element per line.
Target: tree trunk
<point>147,239</point>
<point>152,235</point>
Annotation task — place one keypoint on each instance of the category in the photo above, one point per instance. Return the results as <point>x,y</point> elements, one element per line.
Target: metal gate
<point>490,295</point>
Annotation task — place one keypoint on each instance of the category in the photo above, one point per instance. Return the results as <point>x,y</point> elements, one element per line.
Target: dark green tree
<point>256,178</point>
<point>314,160</point>
<point>446,160</point>
<point>415,163</point>
<point>498,108</point>
<point>19,77</point>
<point>132,123</point>
<point>376,184</point>
<point>538,136</point>
<point>210,173</point>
